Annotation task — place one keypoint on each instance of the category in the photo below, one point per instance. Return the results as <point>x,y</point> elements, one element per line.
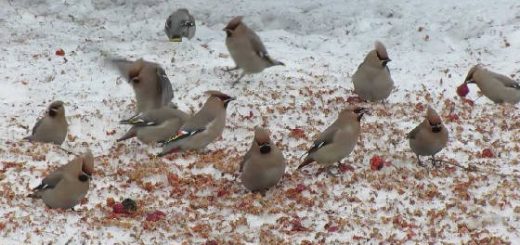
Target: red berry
<point>487,153</point>
<point>222,192</point>
<point>300,188</point>
<point>118,208</point>
<point>297,133</point>
<point>333,229</point>
<point>155,216</point>
<point>376,163</point>
<point>452,117</point>
<point>60,52</point>
<point>463,90</point>
<point>345,167</point>
<point>354,99</point>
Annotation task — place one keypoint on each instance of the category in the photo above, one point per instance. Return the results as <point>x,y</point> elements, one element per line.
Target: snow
<point>432,45</point>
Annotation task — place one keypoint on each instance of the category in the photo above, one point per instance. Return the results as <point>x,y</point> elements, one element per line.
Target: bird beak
<point>265,148</point>
<point>386,61</point>
<point>53,111</point>
<point>231,99</point>
<point>134,80</point>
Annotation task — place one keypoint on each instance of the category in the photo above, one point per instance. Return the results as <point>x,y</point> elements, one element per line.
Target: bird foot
<point>421,164</point>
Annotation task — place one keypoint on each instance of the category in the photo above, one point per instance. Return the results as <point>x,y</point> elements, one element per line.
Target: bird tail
<point>166,152</point>
<point>278,63</point>
<point>130,134</point>
<point>308,160</point>
<point>35,194</point>
<point>273,62</point>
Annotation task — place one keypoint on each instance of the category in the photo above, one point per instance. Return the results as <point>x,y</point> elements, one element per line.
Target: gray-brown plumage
<point>180,24</point>
<point>338,140</point>
<point>155,125</point>
<point>263,165</point>
<point>498,88</point>
<point>372,80</point>
<point>202,128</point>
<point>152,87</point>
<point>65,187</point>
<point>52,128</point>
<point>246,49</point>
<point>429,137</point>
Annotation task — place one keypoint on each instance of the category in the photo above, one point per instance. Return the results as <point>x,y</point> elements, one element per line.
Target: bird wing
<point>506,81</point>
<point>196,124</point>
<point>50,181</point>
<point>413,133</point>
<point>258,46</point>
<point>246,157</point>
<point>37,125</point>
<point>182,134</point>
<point>122,65</point>
<point>324,139</point>
<point>165,86</point>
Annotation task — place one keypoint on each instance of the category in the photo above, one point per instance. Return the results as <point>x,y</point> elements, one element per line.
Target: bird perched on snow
<point>155,125</point>
<point>338,140</point>
<point>372,79</point>
<point>52,128</point>
<point>263,165</point>
<point>202,128</point>
<point>152,87</point>
<point>65,187</point>
<point>429,137</point>
<point>246,49</point>
<point>498,88</point>
<point>180,24</point>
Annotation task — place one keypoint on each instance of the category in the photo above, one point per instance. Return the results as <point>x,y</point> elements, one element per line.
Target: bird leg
<point>419,161</point>
<point>261,192</point>
<point>329,171</point>
<point>436,163</point>
<point>236,81</point>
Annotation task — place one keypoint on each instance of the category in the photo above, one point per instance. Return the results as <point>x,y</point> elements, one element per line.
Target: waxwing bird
<point>52,128</point>
<point>498,88</point>
<point>65,187</point>
<point>372,81</point>
<point>429,137</point>
<point>180,24</point>
<point>202,128</point>
<point>152,87</point>
<point>246,49</point>
<point>155,125</point>
<point>263,165</point>
<point>338,140</point>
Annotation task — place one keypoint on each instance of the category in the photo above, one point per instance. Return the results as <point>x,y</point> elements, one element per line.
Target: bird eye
<point>135,80</point>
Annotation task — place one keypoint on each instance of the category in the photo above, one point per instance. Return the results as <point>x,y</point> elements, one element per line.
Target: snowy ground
<point>432,44</point>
